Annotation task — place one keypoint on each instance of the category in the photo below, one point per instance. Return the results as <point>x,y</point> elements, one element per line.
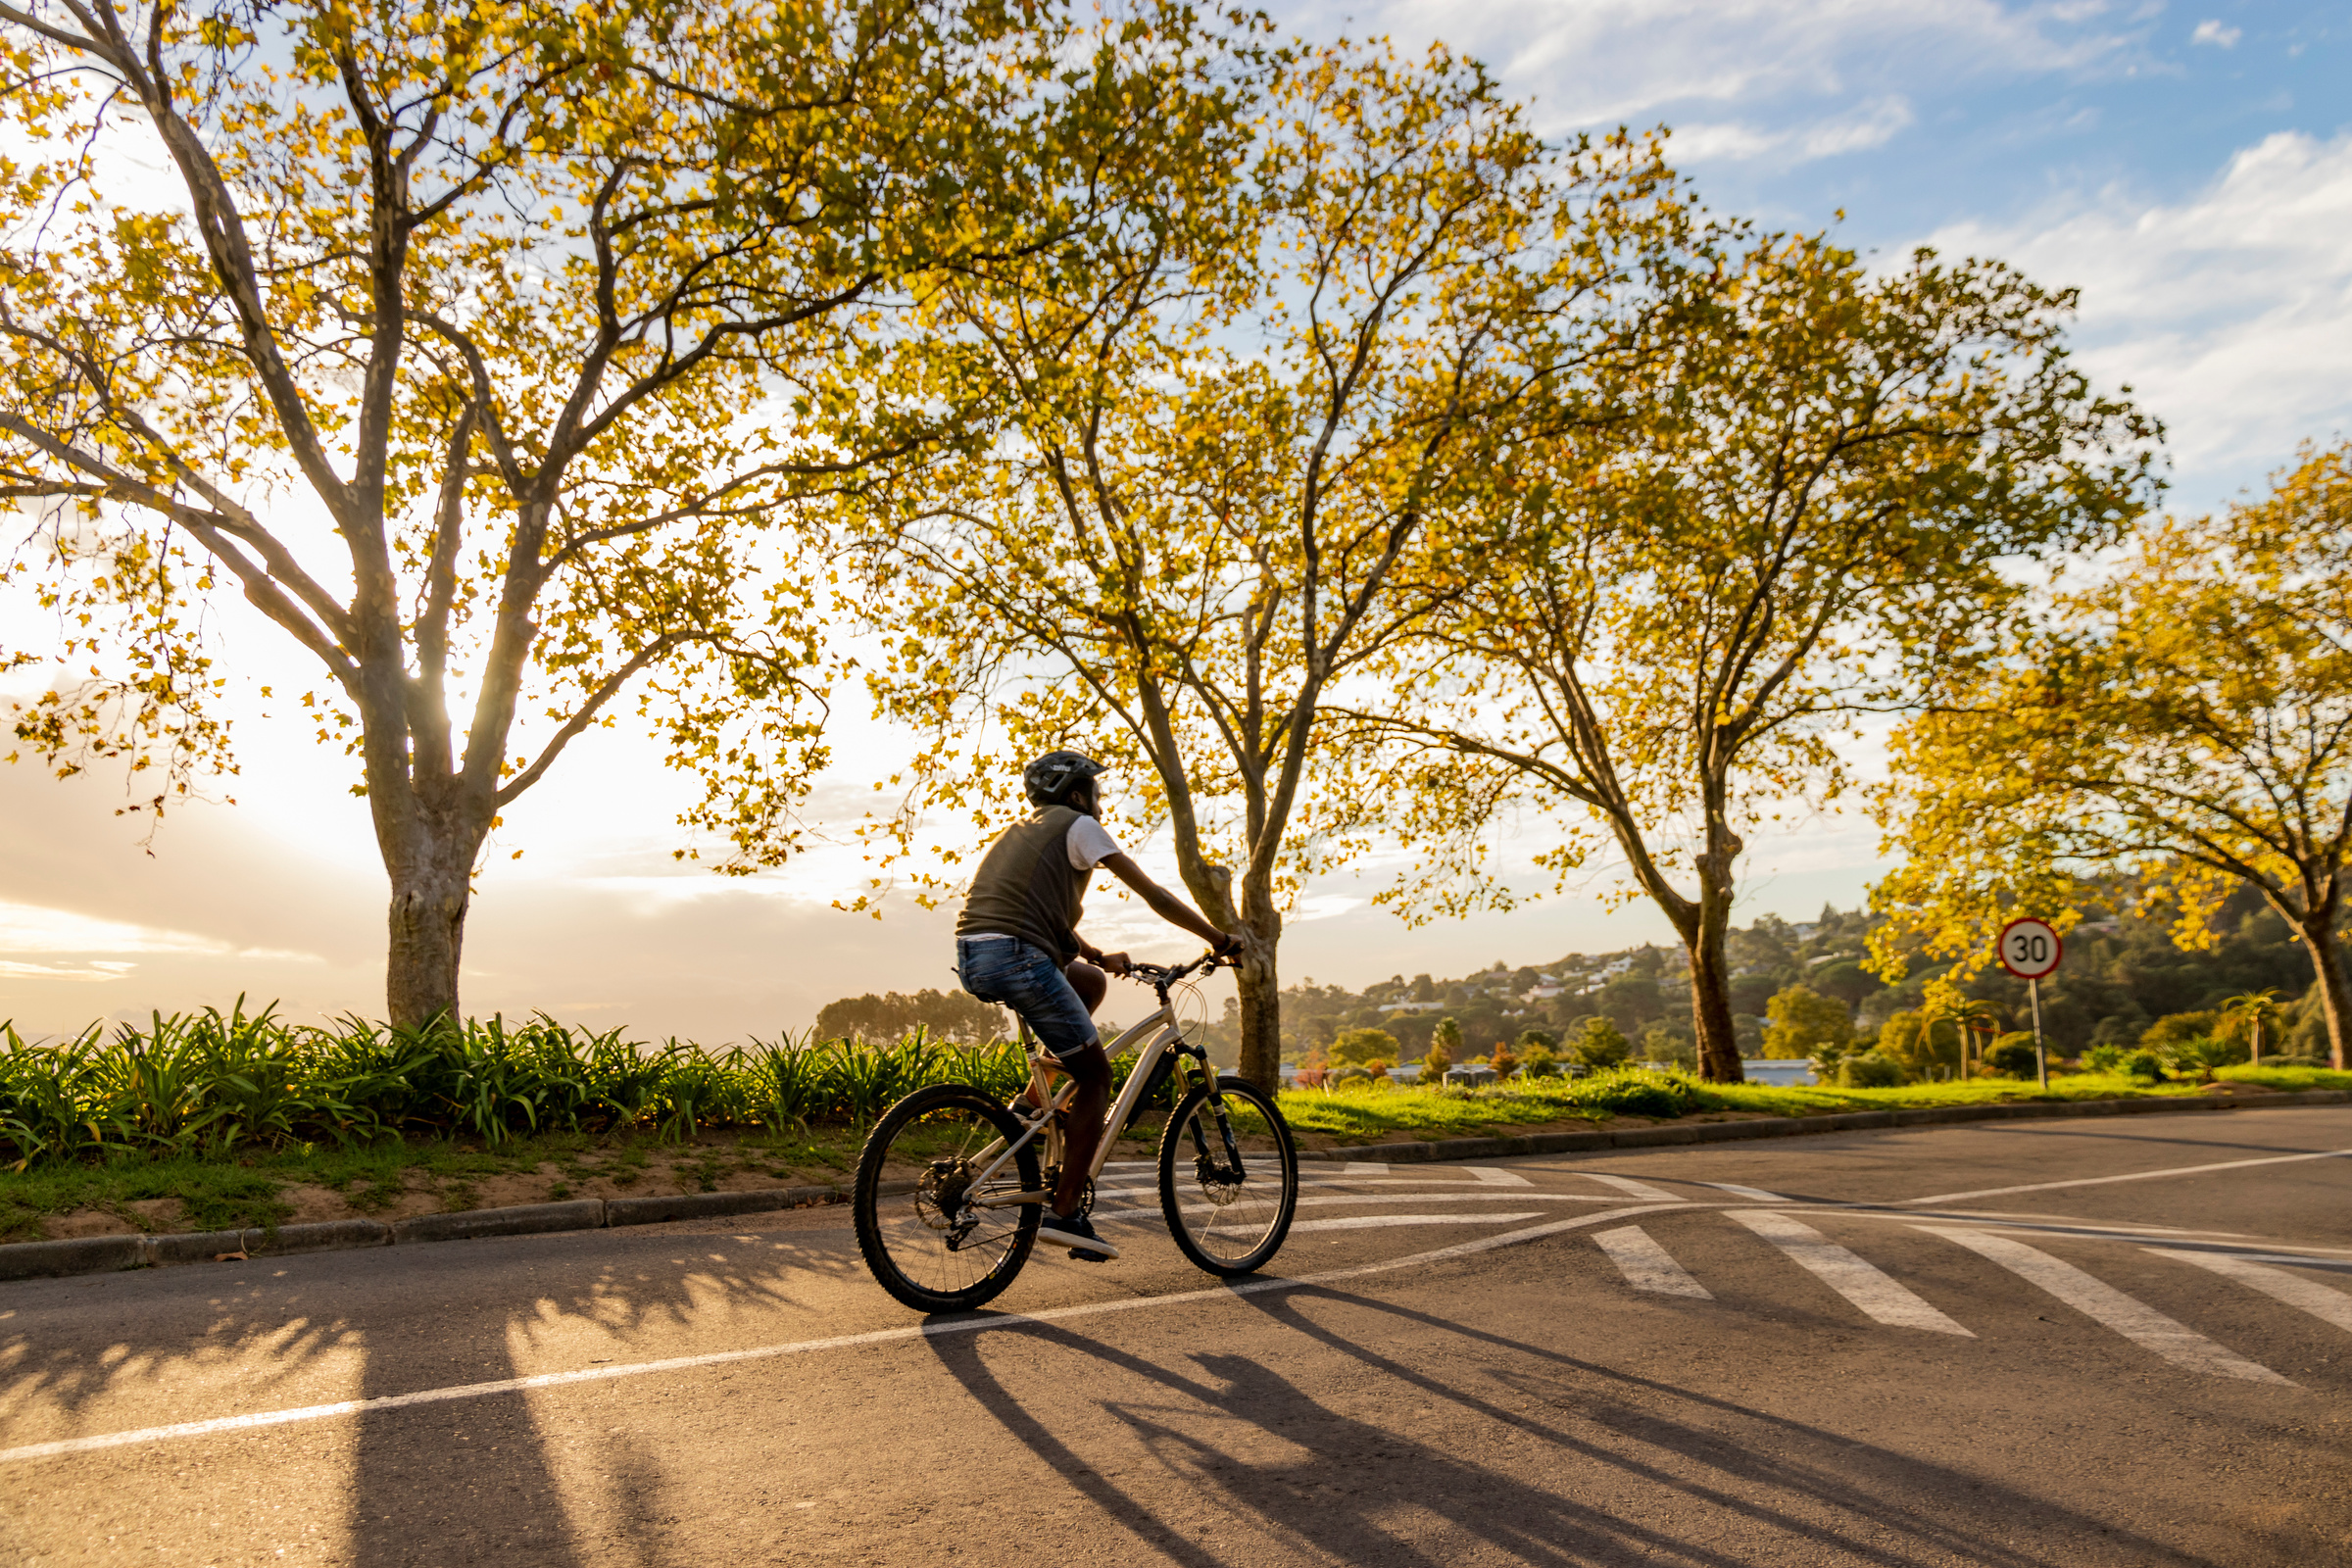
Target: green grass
<point>1367,1113</point>
<point>2288,1078</point>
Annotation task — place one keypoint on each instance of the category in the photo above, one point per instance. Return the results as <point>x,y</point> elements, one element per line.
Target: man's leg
<point>1089,982</point>
<point>1082,1130</point>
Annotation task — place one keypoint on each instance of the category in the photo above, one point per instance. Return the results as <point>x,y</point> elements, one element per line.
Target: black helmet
<point>1048,777</point>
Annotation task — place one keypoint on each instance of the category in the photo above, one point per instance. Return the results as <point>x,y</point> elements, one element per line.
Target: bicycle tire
<point>907,1243</point>
<point>1224,1225</point>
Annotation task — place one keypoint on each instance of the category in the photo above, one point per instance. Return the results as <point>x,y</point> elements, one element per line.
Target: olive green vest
<point>1026,887</point>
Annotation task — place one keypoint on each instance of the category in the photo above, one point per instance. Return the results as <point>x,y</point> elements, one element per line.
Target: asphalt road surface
<point>2107,1341</point>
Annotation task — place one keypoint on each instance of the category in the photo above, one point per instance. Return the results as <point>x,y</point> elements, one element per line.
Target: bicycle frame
<point>1042,1119</point>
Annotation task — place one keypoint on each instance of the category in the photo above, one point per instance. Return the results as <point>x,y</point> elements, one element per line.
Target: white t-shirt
<point>1089,844</point>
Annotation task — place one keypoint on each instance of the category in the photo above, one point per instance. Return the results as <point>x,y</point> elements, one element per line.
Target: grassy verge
<point>1359,1114</point>
<point>392,1177</point>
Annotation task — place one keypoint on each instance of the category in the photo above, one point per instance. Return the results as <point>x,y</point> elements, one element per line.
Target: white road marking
<point>1370,1222</point>
<point>2103,1303</point>
<point>1756,1193</point>
<point>1648,1266</point>
<point>2323,1302</point>
<point>1361,1167</point>
<point>2136,1176</point>
<point>1859,1282</point>
<point>1224,1292</point>
<point>1632,1188</point>
<point>1496,1176</point>
<point>1358,1222</point>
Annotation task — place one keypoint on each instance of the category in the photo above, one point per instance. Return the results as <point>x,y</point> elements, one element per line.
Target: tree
<point>1804,1023</point>
<point>947,1014</point>
<point>1599,1045</point>
<point>2186,722</point>
<point>1921,1043</point>
<point>2254,1016</point>
<point>1356,1047</point>
<point>1446,1040</point>
<point>479,350</point>
<point>1186,536</point>
<point>1816,488</point>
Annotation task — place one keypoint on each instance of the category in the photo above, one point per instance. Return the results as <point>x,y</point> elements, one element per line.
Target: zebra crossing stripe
<point>1632,1188</point>
<point>2321,1301</point>
<point>1496,1176</point>
<point>1648,1266</point>
<point>1859,1282</point>
<point>2103,1303</point>
<point>1755,1195</point>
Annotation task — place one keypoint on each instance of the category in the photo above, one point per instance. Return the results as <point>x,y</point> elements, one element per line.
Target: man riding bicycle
<point>1017,944</point>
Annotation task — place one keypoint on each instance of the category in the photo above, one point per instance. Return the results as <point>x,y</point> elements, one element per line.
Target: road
<point>2118,1341</point>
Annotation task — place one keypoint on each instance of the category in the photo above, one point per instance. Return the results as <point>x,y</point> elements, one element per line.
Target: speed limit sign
<point>2030,949</point>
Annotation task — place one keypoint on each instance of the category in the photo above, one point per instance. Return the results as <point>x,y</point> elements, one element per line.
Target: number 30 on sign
<point>2030,949</point>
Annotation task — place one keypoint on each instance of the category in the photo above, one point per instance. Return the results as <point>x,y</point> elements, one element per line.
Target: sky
<point>2188,168</point>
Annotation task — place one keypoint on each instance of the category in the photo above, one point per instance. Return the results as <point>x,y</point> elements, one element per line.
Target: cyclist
<point>1017,944</point>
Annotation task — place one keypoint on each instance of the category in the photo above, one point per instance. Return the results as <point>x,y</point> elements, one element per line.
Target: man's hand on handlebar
<point>1115,962</point>
<point>1229,945</point>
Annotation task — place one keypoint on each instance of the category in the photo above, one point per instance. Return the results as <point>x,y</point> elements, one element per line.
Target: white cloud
<point>1867,126</point>
<point>28,928</point>
<point>2230,313</point>
<point>1601,62</point>
<point>2214,34</point>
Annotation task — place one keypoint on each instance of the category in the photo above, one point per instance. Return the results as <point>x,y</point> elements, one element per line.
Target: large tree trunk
<point>1711,1005</point>
<point>2319,942</point>
<point>1259,984</point>
<point>432,873</point>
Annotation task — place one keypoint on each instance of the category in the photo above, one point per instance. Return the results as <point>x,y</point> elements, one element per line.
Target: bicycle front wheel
<point>925,1238</point>
<point>1228,1177</point>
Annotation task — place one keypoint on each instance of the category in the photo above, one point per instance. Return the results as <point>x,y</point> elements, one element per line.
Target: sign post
<point>2029,949</point>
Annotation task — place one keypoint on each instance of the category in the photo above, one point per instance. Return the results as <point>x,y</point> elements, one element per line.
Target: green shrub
<point>2102,1058</point>
<point>2142,1064</point>
<point>1870,1070</point>
<point>2013,1056</point>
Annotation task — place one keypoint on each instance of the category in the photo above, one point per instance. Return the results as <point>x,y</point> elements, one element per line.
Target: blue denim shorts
<point>1011,974</point>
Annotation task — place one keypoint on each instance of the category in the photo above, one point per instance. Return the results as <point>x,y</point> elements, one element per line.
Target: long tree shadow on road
<point>1716,1484</point>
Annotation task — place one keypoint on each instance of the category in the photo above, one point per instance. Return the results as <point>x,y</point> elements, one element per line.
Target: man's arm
<point>1167,906</point>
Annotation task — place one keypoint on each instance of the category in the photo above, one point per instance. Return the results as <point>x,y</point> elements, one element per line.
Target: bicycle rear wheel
<point>1228,1207</point>
<point>914,1178</point>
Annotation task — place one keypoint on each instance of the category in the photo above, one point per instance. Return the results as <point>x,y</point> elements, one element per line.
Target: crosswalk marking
<point>2321,1301</point>
<point>2135,1176</point>
<point>1860,1282</point>
<point>1754,1193</point>
<point>1632,1188</point>
<point>1645,1265</point>
<point>1362,1167</point>
<point>2103,1303</point>
<point>1496,1176</point>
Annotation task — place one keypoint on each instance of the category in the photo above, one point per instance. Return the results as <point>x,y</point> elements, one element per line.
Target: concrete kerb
<point>108,1254</point>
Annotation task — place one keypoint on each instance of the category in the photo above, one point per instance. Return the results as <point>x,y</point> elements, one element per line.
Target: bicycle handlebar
<point>1161,976</point>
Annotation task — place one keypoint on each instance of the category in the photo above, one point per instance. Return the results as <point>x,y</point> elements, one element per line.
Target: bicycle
<point>954,1236</point>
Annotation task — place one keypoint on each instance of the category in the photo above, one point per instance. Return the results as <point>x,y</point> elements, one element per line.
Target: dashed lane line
<point>2323,1302</point>
<point>913,1331</point>
<point>1496,1176</point>
<point>1648,1266</point>
<point>2136,1176</point>
<point>1753,1193</point>
<point>1862,1283</point>
<point>2110,1308</point>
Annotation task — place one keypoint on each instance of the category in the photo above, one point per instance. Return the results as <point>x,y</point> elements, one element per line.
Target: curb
<point>1725,1132</point>
<point>109,1254</point>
